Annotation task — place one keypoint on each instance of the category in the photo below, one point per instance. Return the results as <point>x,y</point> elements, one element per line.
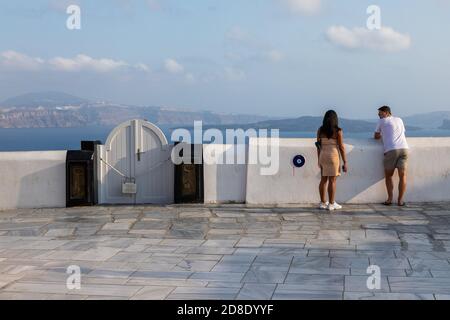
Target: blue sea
<point>69,138</point>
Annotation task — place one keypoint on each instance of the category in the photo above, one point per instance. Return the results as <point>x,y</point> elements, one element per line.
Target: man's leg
<point>388,173</point>
<point>401,185</point>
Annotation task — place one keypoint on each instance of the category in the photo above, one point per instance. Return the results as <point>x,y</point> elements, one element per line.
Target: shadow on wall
<point>43,189</point>
<point>229,183</point>
<point>362,175</point>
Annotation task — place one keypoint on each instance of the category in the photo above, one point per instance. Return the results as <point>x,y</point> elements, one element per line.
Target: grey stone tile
<point>116,226</point>
<point>386,296</point>
<point>298,294</point>
<point>314,282</point>
<point>440,273</point>
<point>64,232</point>
<point>349,262</point>
<point>153,293</point>
<point>218,276</point>
<point>424,264</point>
<point>359,284</point>
<point>220,243</point>
<point>161,274</point>
<point>166,282</point>
<point>311,262</point>
<point>251,291</point>
<point>206,290</point>
<point>235,267</point>
<point>181,242</point>
<point>193,265</point>
<point>291,252</point>
<point>317,271</point>
<point>111,273</point>
<point>272,260</point>
<point>238,258</point>
<point>420,285</point>
<point>201,296</point>
<point>218,284</point>
<point>86,289</point>
<point>318,253</point>
<point>390,263</point>
<point>248,242</point>
<point>384,272</point>
<point>256,275</point>
<point>97,254</point>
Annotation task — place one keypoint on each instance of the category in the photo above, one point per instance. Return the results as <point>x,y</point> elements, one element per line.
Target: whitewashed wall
<point>428,180</point>
<point>224,182</point>
<point>32,179</point>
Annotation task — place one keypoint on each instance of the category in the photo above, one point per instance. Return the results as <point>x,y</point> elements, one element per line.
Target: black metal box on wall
<point>189,177</point>
<point>81,175</point>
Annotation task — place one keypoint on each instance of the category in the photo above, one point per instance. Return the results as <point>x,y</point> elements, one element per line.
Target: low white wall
<point>33,179</point>
<point>428,173</point>
<point>224,183</point>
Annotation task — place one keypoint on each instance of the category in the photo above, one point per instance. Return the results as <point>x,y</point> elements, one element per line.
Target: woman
<point>330,143</point>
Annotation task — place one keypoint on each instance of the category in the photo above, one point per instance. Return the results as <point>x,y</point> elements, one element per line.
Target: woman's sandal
<point>403,204</point>
<point>387,203</point>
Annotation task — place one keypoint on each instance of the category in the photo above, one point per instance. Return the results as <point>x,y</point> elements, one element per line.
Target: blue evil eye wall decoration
<point>299,161</point>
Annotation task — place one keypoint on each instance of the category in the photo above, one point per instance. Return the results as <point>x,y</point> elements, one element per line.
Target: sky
<point>281,58</point>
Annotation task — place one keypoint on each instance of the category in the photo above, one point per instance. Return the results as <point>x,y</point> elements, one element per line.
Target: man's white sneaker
<point>334,206</point>
<point>323,205</point>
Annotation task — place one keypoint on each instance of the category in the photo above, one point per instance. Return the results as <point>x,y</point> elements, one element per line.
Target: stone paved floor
<point>226,252</point>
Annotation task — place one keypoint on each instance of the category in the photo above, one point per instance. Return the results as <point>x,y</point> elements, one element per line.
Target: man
<point>392,130</point>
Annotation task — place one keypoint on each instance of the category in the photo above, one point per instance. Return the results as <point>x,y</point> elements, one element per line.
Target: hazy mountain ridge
<point>55,109</point>
<point>308,124</point>
<point>431,120</point>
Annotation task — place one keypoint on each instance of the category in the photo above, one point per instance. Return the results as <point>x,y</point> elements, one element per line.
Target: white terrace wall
<point>224,183</point>
<point>33,179</point>
<point>38,179</point>
<point>428,173</point>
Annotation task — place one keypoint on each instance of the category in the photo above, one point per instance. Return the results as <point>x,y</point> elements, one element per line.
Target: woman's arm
<point>342,149</point>
<point>318,149</point>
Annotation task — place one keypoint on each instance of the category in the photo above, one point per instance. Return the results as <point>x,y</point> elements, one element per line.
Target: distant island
<point>306,124</point>
<point>445,125</point>
<point>62,110</point>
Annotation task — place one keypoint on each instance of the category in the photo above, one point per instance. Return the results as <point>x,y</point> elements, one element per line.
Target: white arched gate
<point>134,166</point>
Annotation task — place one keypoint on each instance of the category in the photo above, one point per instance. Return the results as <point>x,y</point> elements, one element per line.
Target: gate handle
<point>139,154</point>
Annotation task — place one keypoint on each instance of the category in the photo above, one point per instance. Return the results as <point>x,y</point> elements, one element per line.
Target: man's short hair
<point>385,109</point>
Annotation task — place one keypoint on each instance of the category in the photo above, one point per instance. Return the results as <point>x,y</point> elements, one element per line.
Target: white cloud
<point>173,66</point>
<point>142,67</point>
<point>303,6</point>
<point>13,60</point>
<point>190,78</point>
<point>234,74</point>
<point>84,62</point>
<point>243,46</point>
<point>237,34</point>
<point>274,55</point>
<point>386,39</point>
<point>19,61</point>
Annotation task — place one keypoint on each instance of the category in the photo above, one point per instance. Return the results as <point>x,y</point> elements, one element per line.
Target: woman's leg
<point>322,189</point>
<point>331,188</point>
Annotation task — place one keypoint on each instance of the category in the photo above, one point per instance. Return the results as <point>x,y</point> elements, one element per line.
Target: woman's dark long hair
<point>330,124</point>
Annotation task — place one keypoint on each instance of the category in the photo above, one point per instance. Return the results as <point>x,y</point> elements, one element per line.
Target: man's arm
<point>377,135</point>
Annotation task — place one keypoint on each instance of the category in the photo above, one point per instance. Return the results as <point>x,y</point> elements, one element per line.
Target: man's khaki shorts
<point>396,159</point>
